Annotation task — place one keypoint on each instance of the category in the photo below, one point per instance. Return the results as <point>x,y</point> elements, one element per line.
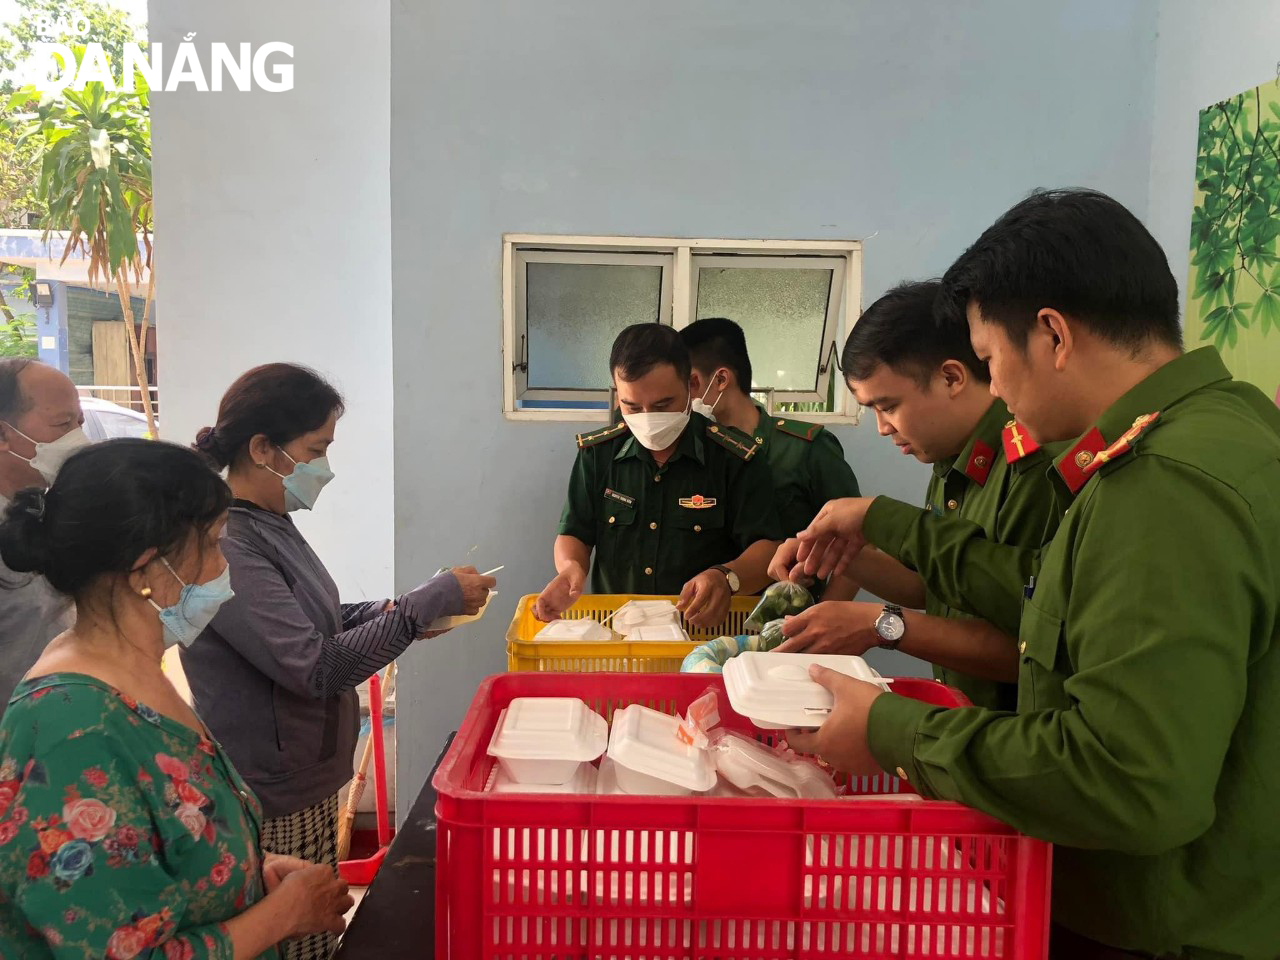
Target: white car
<point>104,420</point>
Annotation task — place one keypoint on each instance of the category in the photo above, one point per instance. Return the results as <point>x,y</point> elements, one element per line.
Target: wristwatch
<point>890,626</point>
<point>734,583</point>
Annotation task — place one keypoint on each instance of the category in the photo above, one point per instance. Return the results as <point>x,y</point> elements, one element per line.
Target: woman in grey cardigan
<point>275,674</point>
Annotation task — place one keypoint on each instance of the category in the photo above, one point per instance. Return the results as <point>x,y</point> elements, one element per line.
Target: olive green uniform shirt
<point>808,467</point>
<point>656,527</point>
<point>1146,743</point>
<point>1010,502</point>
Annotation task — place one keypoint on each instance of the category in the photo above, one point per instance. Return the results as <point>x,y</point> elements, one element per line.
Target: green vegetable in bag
<point>784,599</point>
<point>771,636</point>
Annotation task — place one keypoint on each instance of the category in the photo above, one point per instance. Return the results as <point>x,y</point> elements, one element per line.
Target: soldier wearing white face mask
<point>668,501</point>
<point>40,427</point>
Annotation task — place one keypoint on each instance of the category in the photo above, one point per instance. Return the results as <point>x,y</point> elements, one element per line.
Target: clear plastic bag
<point>782,599</point>
<point>772,636</point>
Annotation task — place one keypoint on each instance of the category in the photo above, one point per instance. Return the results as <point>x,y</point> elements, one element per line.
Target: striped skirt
<point>310,834</point>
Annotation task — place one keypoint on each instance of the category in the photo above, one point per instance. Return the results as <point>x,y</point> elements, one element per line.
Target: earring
<point>145,593</point>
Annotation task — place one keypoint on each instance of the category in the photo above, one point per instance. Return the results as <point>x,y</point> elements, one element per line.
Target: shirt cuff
<point>887,524</point>
<point>891,734</point>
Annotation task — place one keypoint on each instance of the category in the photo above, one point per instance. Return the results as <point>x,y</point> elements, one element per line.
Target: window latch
<point>832,356</point>
<point>521,365</point>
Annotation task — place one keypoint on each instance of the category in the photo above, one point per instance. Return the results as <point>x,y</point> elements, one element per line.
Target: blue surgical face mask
<point>197,605</point>
<point>302,487</point>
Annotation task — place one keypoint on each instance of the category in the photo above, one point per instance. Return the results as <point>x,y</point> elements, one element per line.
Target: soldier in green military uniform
<point>1146,742</point>
<point>932,397</point>
<point>669,502</point>
<point>806,460</point>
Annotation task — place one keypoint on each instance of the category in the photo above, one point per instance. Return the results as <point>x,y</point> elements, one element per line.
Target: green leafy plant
<point>1235,224</point>
<point>95,180</point>
<point>17,329</point>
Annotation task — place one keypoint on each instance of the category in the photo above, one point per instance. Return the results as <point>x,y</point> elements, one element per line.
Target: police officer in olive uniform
<point>1146,741</point>
<point>670,502</point>
<point>806,460</point>
<point>932,397</point>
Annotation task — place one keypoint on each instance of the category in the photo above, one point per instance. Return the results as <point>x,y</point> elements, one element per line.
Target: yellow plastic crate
<point>526,655</point>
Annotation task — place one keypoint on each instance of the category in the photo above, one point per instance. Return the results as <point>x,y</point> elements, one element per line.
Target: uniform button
<point>980,462</point>
<point>648,571</point>
<point>1083,459</point>
<point>1022,647</point>
<point>715,429</point>
<point>782,423</point>
<point>653,526</point>
<point>613,519</point>
<point>697,528</point>
<point>902,774</point>
<point>658,478</point>
<point>952,504</point>
<point>759,439</point>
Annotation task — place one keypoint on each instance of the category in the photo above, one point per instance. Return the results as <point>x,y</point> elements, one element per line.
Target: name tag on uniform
<point>697,502</point>
<point>621,498</point>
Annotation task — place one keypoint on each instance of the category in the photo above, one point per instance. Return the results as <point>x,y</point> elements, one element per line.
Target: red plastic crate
<point>676,878</point>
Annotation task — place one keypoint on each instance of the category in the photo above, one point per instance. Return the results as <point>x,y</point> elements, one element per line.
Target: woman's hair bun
<point>209,443</point>
<point>24,538</point>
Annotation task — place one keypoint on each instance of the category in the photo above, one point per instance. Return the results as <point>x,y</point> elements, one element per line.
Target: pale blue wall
<point>912,123</point>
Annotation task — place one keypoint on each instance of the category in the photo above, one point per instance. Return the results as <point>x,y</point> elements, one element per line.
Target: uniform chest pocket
<point>612,514</point>
<point>699,519</point>
<point>1043,669</point>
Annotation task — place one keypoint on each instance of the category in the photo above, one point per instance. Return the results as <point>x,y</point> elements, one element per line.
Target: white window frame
<point>519,366</point>
<point>679,302</point>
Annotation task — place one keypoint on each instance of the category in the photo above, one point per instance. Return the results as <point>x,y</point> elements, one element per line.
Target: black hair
<point>110,503</point>
<point>899,331</point>
<point>716,342</point>
<point>12,400</point>
<point>281,401</point>
<point>1077,251</point>
<point>643,346</point>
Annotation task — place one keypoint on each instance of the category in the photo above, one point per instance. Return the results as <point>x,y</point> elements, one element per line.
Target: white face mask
<point>702,407</point>
<point>657,431</point>
<point>50,457</point>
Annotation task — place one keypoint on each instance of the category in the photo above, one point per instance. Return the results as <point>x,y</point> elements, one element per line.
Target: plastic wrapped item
<point>659,633</point>
<point>757,770</point>
<point>574,631</point>
<point>711,656</point>
<point>700,719</point>
<point>772,637</point>
<point>644,613</point>
<point>782,599</point>
<point>544,739</point>
<point>651,759</point>
<point>775,692</point>
<point>583,781</point>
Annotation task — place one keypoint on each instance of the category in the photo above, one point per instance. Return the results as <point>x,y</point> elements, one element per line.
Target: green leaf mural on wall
<point>1233,292</point>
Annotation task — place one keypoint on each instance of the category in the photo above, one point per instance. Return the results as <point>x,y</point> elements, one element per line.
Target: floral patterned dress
<point>123,833</point>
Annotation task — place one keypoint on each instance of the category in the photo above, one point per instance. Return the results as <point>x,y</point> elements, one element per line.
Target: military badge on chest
<point>697,502</point>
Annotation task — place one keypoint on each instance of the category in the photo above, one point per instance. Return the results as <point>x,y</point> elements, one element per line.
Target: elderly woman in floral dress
<point>124,830</point>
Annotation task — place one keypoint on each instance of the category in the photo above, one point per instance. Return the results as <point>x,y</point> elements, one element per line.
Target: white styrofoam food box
<point>644,613</point>
<point>775,692</point>
<point>574,631</point>
<point>650,759</point>
<point>583,781</point>
<point>749,765</point>
<point>544,739</point>
<point>659,633</point>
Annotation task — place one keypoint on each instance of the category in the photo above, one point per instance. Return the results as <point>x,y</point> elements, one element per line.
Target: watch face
<point>891,627</point>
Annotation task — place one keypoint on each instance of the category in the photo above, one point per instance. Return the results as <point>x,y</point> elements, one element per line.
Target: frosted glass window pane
<point>576,310</point>
<point>782,313</point>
